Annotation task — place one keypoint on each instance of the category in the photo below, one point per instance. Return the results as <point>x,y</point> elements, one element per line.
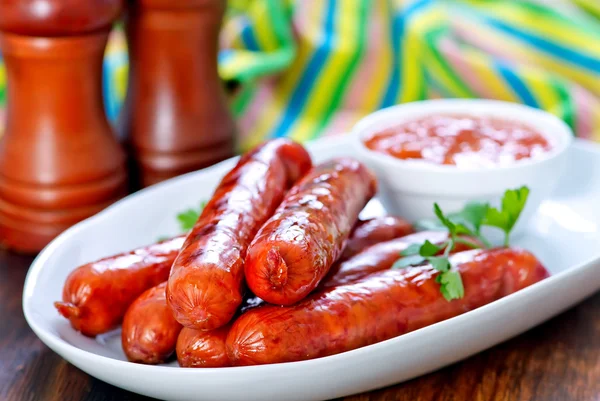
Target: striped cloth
<point>309,68</point>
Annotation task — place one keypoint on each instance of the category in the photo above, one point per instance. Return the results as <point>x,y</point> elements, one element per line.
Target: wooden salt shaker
<point>59,159</point>
<point>176,116</point>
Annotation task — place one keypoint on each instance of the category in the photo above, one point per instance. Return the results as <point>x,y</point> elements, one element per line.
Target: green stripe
<point>347,75</point>
<point>432,38</point>
<point>241,101</point>
<point>567,105</point>
<point>433,83</point>
<point>266,63</point>
<point>281,19</point>
<point>580,24</point>
<point>592,9</point>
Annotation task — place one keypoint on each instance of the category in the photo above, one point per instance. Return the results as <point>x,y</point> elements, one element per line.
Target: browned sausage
<point>96,295</point>
<point>374,231</point>
<point>378,307</point>
<point>205,287</point>
<point>202,349</point>
<point>382,256</point>
<point>294,250</point>
<point>149,328</point>
<point>206,349</point>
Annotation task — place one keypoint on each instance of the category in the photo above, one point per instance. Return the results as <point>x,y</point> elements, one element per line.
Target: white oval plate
<point>564,234</point>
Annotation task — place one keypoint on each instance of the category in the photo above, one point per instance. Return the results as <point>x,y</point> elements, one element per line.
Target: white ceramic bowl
<point>409,188</point>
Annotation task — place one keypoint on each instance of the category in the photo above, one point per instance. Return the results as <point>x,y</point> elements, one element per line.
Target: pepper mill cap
<point>57,17</point>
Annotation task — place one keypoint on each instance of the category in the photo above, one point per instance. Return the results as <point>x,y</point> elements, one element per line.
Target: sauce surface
<point>464,141</point>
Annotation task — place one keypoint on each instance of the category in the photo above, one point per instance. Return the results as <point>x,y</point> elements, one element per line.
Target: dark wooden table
<point>557,361</point>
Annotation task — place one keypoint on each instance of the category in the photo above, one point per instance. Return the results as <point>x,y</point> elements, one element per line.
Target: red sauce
<point>460,140</point>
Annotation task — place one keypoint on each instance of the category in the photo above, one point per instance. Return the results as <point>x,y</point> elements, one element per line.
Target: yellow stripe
<point>271,112</point>
<point>596,125</point>
<point>240,61</point>
<point>383,65</point>
<point>495,85</point>
<point>120,80</point>
<point>2,75</point>
<point>592,6</point>
<point>530,55</point>
<point>412,47</point>
<point>263,26</point>
<point>430,21</point>
<point>346,24</point>
<point>550,29</point>
<point>545,94</point>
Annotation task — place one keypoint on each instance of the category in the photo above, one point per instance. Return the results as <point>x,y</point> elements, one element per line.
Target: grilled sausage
<point>294,250</point>
<point>378,307</point>
<point>149,328</point>
<point>374,231</point>
<point>205,287</point>
<point>202,349</point>
<point>382,256</point>
<point>97,295</point>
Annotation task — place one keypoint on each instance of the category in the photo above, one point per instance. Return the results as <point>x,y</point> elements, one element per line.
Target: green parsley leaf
<point>412,249</point>
<point>429,249</point>
<point>462,229</point>
<point>472,214</point>
<point>188,218</point>
<point>451,285</point>
<point>440,263</point>
<point>443,219</point>
<point>513,203</point>
<point>408,261</point>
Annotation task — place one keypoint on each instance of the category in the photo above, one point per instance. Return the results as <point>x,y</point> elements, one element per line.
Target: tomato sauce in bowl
<point>463,141</point>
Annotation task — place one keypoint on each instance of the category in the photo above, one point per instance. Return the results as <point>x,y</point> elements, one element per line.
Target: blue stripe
<point>397,34</point>
<point>109,101</point>
<point>566,54</point>
<point>225,55</point>
<point>248,38</point>
<point>308,78</point>
<point>517,85</point>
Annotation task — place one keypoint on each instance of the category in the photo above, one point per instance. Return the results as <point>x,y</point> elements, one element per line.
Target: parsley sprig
<point>461,225</point>
<point>189,217</point>
<point>186,219</point>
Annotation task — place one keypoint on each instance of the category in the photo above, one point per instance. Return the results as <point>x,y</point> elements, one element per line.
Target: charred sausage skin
<point>205,286</point>
<point>378,307</point>
<point>297,246</point>
<point>149,329</point>
<point>97,295</point>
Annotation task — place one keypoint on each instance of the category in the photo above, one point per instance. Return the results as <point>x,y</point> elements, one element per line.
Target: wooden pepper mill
<point>59,159</point>
<point>176,116</point>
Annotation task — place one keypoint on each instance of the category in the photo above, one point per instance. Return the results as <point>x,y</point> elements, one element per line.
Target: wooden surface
<point>556,361</point>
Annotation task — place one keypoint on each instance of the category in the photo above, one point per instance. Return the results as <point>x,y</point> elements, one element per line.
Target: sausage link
<point>205,287</point>
<point>206,349</point>
<point>203,349</point>
<point>149,329</point>
<point>374,231</point>
<point>97,295</point>
<point>382,256</point>
<point>296,247</point>
<point>381,306</point>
